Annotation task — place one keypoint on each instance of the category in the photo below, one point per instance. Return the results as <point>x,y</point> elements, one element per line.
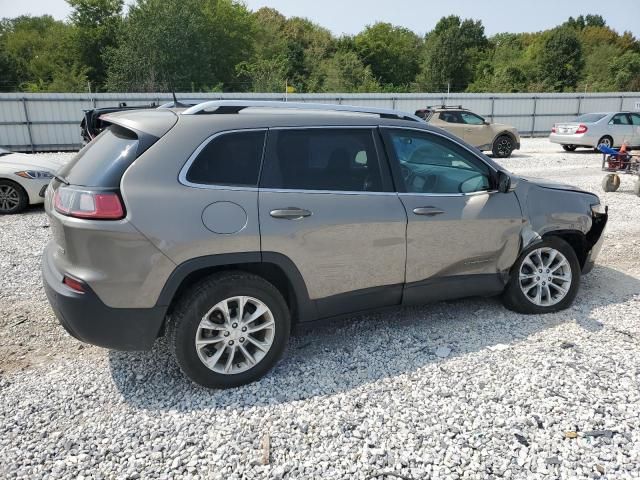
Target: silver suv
<point>224,225</point>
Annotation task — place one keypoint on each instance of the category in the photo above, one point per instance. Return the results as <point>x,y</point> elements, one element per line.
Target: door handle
<point>428,211</point>
<point>290,213</point>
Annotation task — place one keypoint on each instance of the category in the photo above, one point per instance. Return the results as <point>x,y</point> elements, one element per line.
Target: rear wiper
<point>61,179</point>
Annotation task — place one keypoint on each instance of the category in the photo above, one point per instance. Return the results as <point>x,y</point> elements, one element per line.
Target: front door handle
<point>428,211</point>
<point>290,213</point>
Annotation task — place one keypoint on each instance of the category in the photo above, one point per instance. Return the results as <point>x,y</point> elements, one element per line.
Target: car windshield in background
<point>590,117</point>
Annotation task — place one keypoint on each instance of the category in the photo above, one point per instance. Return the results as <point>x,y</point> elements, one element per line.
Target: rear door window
<point>322,159</point>
<point>620,119</point>
<point>229,159</point>
<point>451,117</point>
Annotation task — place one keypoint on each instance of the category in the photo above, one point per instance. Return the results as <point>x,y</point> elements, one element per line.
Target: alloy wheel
<point>545,276</point>
<point>235,335</point>
<point>9,198</point>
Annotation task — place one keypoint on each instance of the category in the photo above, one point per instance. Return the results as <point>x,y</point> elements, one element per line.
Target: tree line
<point>220,45</point>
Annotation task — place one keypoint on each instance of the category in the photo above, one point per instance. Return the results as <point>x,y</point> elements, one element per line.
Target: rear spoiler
<point>150,122</point>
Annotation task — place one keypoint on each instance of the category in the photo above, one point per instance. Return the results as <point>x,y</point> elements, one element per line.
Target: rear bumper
<point>577,140</point>
<point>88,319</point>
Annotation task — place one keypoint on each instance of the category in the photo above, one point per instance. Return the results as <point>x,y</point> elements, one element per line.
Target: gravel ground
<point>461,389</point>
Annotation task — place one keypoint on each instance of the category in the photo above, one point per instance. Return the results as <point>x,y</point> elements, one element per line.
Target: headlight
<point>35,174</point>
<point>599,209</point>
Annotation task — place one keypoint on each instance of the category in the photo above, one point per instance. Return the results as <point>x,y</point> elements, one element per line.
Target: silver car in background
<point>593,129</point>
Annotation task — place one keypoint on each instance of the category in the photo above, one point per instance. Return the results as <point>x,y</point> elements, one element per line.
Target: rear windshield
<point>424,114</point>
<point>104,160</point>
<point>590,117</point>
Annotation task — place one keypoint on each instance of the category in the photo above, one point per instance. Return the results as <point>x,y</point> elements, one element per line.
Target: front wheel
<point>545,278</point>
<point>502,146</point>
<point>569,148</point>
<point>229,330</point>
<point>13,198</point>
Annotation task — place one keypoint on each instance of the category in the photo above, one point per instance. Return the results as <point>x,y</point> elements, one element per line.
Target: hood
<point>544,183</point>
<point>24,161</point>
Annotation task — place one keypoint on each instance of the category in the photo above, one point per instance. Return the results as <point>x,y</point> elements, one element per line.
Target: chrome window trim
<point>182,176</point>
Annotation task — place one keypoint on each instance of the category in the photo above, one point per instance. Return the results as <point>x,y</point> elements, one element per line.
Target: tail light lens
<point>73,284</point>
<point>553,129</point>
<point>582,129</point>
<point>77,203</point>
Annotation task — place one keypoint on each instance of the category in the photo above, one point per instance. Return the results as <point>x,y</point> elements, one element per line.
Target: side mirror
<point>504,182</point>
<point>486,122</point>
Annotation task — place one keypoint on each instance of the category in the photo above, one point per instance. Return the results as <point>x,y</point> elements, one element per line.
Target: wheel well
<point>578,242</point>
<point>269,271</point>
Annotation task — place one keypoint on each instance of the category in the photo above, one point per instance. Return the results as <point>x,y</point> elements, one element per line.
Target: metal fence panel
<point>51,121</point>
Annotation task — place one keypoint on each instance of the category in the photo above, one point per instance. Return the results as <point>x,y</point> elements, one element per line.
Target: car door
<point>476,131</point>
<point>451,121</point>
<point>327,203</point>
<point>462,235</point>
<point>620,128</point>
<point>635,125</point>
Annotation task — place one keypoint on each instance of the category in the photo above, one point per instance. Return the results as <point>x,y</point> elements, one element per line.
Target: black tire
<point>569,148</point>
<point>502,146</point>
<point>515,299</point>
<point>13,198</point>
<point>611,182</point>
<point>606,140</point>
<point>190,309</point>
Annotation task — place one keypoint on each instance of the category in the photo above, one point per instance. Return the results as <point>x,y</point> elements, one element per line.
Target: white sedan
<point>24,179</point>
<point>592,129</point>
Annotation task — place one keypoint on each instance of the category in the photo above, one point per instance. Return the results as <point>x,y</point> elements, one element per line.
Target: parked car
<point>501,140</point>
<point>224,225</point>
<point>592,129</point>
<point>23,179</point>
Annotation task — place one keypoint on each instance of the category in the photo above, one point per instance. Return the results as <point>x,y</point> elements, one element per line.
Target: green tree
<point>344,72</point>
<point>96,25</point>
<point>452,51</point>
<point>180,44</point>
<point>391,52</point>
<point>560,60</point>
<point>625,71</point>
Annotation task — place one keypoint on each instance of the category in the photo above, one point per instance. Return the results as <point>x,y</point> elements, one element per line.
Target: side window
<point>620,119</point>
<point>322,159</point>
<point>451,117</point>
<point>635,119</point>
<point>471,118</point>
<point>229,159</point>
<point>434,164</point>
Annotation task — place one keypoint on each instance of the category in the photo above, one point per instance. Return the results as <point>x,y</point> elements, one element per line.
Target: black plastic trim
<point>359,300</point>
<point>449,288</point>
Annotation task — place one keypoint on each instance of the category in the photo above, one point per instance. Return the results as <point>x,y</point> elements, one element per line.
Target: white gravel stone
<point>349,400</point>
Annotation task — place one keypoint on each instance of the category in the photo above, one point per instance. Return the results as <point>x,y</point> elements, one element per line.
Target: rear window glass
<point>230,159</point>
<point>104,160</point>
<point>590,118</point>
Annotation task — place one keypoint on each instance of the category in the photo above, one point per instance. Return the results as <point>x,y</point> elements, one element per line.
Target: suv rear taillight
<point>554,129</point>
<point>94,205</point>
<point>582,129</point>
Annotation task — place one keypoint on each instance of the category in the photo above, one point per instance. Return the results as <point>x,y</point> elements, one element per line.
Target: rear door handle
<point>290,213</point>
<point>428,211</point>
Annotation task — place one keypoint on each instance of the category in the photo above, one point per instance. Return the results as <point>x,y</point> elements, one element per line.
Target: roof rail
<point>235,106</point>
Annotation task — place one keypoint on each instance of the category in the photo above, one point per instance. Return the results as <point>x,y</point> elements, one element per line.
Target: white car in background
<point>23,179</point>
<point>592,129</point>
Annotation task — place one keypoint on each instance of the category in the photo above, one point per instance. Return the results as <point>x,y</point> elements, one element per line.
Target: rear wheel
<point>502,146</point>
<point>229,330</point>
<point>607,141</point>
<point>611,182</point>
<point>569,148</point>
<point>545,278</point>
<point>13,198</point>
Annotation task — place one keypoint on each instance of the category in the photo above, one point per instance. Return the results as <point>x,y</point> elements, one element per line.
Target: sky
<point>351,16</point>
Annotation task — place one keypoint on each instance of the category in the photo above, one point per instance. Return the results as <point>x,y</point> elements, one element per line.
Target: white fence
<point>51,121</point>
